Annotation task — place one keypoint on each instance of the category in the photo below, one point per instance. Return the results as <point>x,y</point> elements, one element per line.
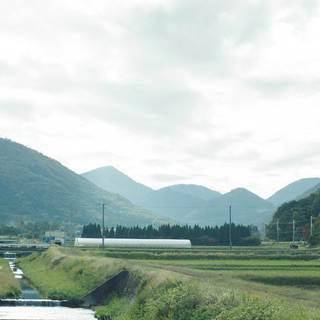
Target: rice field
<point>274,271</point>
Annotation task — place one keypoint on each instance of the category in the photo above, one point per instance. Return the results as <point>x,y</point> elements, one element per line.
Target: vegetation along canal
<point>31,306</point>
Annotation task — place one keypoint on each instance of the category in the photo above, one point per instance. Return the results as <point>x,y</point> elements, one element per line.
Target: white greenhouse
<point>137,243</point>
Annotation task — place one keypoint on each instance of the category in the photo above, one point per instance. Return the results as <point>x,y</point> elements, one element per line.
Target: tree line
<point>198,235</point>
<point>294,217</point>
<point>29,230</point>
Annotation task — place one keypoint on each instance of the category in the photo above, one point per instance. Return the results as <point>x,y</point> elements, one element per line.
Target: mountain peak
<point>293,190</point>
<point>195,190</point>
<point>240,190</point>
<point>111,179</point>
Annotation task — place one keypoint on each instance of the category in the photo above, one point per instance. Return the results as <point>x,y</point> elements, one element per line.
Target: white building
<point>133,243</point>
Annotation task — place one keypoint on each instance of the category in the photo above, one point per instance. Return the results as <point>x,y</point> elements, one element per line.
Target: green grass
<point>271,252</point>
<point>292,281</point>
<point>197,301</point>
<point>9,286</point>
<point>61,276</point>
<point>115,307</point>
<point>170,289</point>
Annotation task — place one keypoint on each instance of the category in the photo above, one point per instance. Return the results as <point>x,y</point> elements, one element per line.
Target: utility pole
<point>277,230</point>
<point>230,234</point>
<point>293,230</point>
<point>311,226</point>
<point>102,225</point>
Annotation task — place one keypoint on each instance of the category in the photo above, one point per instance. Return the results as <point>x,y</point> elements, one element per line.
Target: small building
<point>54,237</point>
<point>10,256</point>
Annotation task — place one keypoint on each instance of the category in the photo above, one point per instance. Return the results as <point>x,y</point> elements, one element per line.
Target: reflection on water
<point>45,313</point>
<point>27,291</point>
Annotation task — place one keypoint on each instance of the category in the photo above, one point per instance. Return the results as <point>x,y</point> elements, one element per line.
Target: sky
<point>220,93</point>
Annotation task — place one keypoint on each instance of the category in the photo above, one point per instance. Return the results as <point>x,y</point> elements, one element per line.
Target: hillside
<point>247,208</point>
<point>193,204</point>
<point>112,180</point>
<point>171,204</point>
<point>298,210</point>
<point>34,187</point>
<point>310,191</point>
<point>293,190</point>
<point>194,190</point>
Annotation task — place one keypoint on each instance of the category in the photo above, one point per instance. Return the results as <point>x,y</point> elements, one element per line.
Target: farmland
<point>292,275</point>
<point>246,278</point>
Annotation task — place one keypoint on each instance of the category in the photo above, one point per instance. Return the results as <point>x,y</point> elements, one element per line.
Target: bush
<point>250,241</point>
<point>115,308</point>
<point>250,309</point>
<point>314,240</point>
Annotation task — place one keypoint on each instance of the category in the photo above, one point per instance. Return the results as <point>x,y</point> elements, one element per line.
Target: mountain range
<point>196,204</point>
<point>34,187</point>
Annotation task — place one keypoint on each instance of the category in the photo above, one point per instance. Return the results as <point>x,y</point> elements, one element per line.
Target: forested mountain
<point>194,190</point>
<point>172,204</point>
<point>35,187</point>
<point>112,180</point>
<point>247,208</point>
<point>300,211</point>
<point>192,204</point>
<point>293,190</point>
<point>310,191</point>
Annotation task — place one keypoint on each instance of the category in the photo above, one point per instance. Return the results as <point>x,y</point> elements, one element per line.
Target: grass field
<point>270,271</point>
<point>237,280</point>
<point>9,286</point>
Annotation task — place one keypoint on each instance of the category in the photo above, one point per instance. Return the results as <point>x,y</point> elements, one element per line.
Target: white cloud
<point>223,94</point>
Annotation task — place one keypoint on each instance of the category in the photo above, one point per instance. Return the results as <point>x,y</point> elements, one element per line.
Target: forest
<point>297,220</point>
<point>209,235</point>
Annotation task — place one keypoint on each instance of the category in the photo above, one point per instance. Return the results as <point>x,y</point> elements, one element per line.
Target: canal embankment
<point>27,295</point>
<point>9,285</point>
<point>24,301</point>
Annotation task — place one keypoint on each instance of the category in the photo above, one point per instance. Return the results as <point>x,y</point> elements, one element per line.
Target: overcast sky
<point>220,93</point>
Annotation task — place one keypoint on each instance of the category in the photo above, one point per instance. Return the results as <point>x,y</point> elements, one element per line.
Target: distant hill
<point>293,190</point>
<point>194,190</point>
<point>247,208</point>
<point>112,180</point>
<point>172,204</point>
<point>34,187</point>
<point>310,191</point>
<point>191,204</point>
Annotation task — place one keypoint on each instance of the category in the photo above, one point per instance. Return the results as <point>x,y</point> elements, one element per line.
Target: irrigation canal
<point>31,306</point>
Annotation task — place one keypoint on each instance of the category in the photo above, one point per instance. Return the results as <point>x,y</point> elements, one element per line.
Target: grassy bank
<point>9,286</point>
<point>193,300</point>
<point>184,289</point>
<point>58,275</point>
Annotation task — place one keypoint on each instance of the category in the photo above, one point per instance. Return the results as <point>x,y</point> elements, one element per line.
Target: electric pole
<point>293,230</point>
<point>230,234</point>
<point>277,230</point>
<point>311,226</point>
<point>102,225</point>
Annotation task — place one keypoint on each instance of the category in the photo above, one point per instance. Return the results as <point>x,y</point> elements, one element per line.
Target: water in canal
<point>45,312</point>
